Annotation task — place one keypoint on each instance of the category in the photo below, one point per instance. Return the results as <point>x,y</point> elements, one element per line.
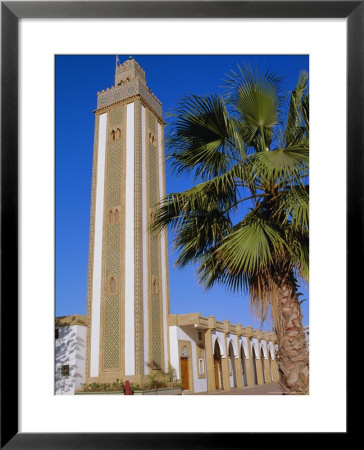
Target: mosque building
<point>128,332</point>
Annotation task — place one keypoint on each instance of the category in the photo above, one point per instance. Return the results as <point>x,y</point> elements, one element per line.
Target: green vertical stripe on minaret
<point>156,336</point>
<point>112,351</point>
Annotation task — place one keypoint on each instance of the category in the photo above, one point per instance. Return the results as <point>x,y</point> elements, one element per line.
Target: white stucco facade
<point>97,253</point>
<point>70,358</point>
<point>129,334</point>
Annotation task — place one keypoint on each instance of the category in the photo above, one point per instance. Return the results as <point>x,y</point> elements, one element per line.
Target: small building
<point>210,355</point>
<point>70,353</point>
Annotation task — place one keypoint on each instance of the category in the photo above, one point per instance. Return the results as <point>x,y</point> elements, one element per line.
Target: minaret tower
<point>127,296</point>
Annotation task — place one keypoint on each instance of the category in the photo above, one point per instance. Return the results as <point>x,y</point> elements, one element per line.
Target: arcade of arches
<point>209,355</point>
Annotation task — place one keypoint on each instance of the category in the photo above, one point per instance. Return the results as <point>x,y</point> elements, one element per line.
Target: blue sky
<point>78,79</point>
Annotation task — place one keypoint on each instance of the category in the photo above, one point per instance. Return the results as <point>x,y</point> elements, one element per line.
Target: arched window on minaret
<point>155,286</point>
<point>112,285</point>
<point>110,216</point>
<point>116,216</point>
<point>113,135</point>
<point>118,133</point>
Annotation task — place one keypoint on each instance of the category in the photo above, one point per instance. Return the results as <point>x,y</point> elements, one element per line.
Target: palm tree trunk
<point>293,359</point>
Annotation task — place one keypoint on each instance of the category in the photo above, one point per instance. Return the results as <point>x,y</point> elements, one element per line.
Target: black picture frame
<point>11,12</point>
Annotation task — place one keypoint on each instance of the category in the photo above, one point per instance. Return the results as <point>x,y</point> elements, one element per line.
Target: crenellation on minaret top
<point>129,82</point>
<point>128,71</point>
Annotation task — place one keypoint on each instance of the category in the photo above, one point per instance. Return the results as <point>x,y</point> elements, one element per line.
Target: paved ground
<point>264,389</point>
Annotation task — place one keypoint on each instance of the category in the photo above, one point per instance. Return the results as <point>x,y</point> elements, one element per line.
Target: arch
<point>113,135</point>
<point>112,285</point>
<point>118,133</point>
<point>221,347</point>
<point>263,346</point>
<point>231,341</point>
<point>254,361</point>
<point>201,361</point>
<point>231,356</point>
<point>155,286</point>
<point>110,216</point>
<point>244,344</point>
<point>217,365</point>
<point>270,364</point>
<point>263,365</point>
<point>116,216</point>
<point>243,365</point>
<point>254,345</point>
<point>271,350</point>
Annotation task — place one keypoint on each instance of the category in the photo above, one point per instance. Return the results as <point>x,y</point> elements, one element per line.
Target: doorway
<point>185,378</point>
<point>216,371</point>
<point>217,366</point>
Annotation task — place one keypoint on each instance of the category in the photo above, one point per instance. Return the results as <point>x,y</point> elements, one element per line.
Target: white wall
<point>97,251</point>
<point>80,363</point>
<point>145,215</point>
<point>70,349</point>
<point>190,334</point>
<point>173,349</point>
<point>129,245</point>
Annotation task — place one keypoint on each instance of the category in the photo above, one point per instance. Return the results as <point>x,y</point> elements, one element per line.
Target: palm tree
<point>245,222</point>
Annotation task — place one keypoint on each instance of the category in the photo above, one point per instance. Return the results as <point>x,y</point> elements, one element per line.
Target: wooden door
<point>185,373</point>
<point>216,367</point>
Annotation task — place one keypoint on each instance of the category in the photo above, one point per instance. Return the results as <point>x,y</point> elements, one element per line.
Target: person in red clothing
<point>127,389</point>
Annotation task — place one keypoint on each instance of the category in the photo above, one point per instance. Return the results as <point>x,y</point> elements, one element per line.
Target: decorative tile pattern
<point>156,325</point>
<point>115,116</point>
<point>114,174</point>
<point>112,332</point>
<point>112,352</point>
<point>123,92</point>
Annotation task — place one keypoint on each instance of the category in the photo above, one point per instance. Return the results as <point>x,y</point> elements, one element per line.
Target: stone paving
<point>264,389</point>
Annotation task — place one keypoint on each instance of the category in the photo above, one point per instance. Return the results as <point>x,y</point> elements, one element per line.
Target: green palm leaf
<point>257,100</point>
<point>293,207</point>
<point>297,123</point>
<point>290,162</point>
<point>204,139</point>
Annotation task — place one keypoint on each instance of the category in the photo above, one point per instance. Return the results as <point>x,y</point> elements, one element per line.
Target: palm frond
<point>203,137</point>
<point>293,207</point>
<point>252,245</point>
<point>297,122</point>
<point>282,163</point>
<point>257,100</point>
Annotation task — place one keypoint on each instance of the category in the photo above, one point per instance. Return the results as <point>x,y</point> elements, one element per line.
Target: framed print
<point>330,34</point>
